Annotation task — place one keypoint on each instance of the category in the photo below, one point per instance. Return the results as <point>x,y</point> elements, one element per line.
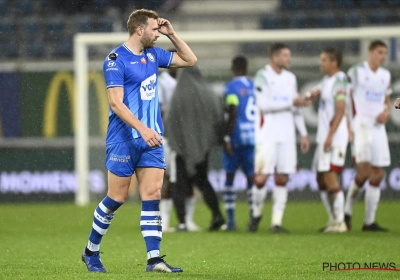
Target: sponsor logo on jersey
<point>134,62</point>
<point>151,57</point>
<point>111,69</point>
<point>374,96</point>
<point>280,98</point>
<point>112,56</point>
<point>143,60</point>
<point>111,64</point>
<point>148,88</point>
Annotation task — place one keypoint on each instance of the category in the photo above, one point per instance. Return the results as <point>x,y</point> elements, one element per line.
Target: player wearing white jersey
<point>370,94</point>
<point>276,96</point>
<point>332,137</point>
<point>166,88</point>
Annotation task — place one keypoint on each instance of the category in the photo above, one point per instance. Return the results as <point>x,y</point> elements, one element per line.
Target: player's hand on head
<point>165,27</point>
<point>151,137</point>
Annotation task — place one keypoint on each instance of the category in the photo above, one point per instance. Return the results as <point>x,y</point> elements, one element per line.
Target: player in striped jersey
<point>239,136</point>
<point>371,91</point>
<point>332,137</point>
<point>134,135</point>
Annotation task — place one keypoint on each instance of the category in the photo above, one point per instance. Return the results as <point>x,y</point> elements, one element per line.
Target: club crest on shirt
<point>243,92</point>
<point>151,57</point>
<point>143,60</point>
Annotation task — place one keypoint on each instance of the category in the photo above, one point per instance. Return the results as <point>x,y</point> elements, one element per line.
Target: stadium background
<point>36,78</point>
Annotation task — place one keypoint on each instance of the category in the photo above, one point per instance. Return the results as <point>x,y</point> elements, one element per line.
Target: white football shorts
<point>329,161</point>
<point>272,157</point>
<point>371,143</point>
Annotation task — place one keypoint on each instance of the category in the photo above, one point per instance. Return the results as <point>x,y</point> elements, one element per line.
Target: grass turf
<point>44,241</point>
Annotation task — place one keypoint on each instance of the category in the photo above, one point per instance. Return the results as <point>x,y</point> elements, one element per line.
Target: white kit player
<point>370,95</point>
<point>276,98</point>
<point>166,88</point>
<point>332,137</point>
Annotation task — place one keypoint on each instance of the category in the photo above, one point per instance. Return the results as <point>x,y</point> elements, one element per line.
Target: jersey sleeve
<point>114,72</point>
<point>340,88</point>
<point>230,97</point>
<point>164,58</point>
<point>299,121</point>
<point>389,89</point>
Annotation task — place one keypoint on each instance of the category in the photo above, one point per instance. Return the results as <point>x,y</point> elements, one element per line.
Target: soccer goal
<point>82,42</point>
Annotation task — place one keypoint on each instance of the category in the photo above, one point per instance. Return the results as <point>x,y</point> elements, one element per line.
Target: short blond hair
<point>139,18</point>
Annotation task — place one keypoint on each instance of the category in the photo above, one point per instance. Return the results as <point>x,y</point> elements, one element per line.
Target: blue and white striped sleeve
<point>164,57</point>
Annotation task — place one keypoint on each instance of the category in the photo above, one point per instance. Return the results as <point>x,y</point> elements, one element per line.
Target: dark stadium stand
<point>57,21</point>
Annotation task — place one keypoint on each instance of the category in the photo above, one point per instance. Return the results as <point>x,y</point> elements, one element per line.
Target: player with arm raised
<point>276,95</point>
<point>239,135</point>
<point>332,137</point>
<point>134,134</point>
<point>371,91</point>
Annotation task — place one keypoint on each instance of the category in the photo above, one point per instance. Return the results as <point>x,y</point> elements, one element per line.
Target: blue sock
<point>103,216</point>
<point>150,225</point>
<point>229,198</point>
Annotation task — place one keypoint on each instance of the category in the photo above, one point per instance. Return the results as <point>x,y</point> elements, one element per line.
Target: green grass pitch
<point>44,241</point>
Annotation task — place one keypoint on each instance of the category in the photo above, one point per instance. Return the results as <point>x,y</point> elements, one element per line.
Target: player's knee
<point>229,179</point>
<point>376,176</point>
<point>321,183</point>
<point>363,172</point>
<point>281,180</point>
<point>260,180</point>
<point>151,193</point>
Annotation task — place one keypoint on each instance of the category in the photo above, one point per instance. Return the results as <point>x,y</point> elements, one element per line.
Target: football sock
<point>279,198</point>
<point>103,216</point>
<point>325,201</point>
<point>351,197</point>
<point>150,225</point>
<point>337,198</point>
<point>165,207</point>
<point>190,203</point>
<point>372,196</point>
<point>257,200</point>
<point>229,198</point>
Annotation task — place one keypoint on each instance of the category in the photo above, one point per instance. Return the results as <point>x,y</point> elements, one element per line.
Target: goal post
<point>81,61</point>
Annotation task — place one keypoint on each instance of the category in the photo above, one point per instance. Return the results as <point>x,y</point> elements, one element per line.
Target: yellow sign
<point>51,102</point>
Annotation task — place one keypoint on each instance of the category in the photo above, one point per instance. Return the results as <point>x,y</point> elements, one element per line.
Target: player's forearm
<point>337,118</point>
<point>123,112</point>
<point>300,123</point>
<point>267,106</point>
<point>183,50</point>
<point>232,115</point>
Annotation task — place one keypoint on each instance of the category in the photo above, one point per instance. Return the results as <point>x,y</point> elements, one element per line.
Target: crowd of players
<point>259,135</point>
<point>262,116</point>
